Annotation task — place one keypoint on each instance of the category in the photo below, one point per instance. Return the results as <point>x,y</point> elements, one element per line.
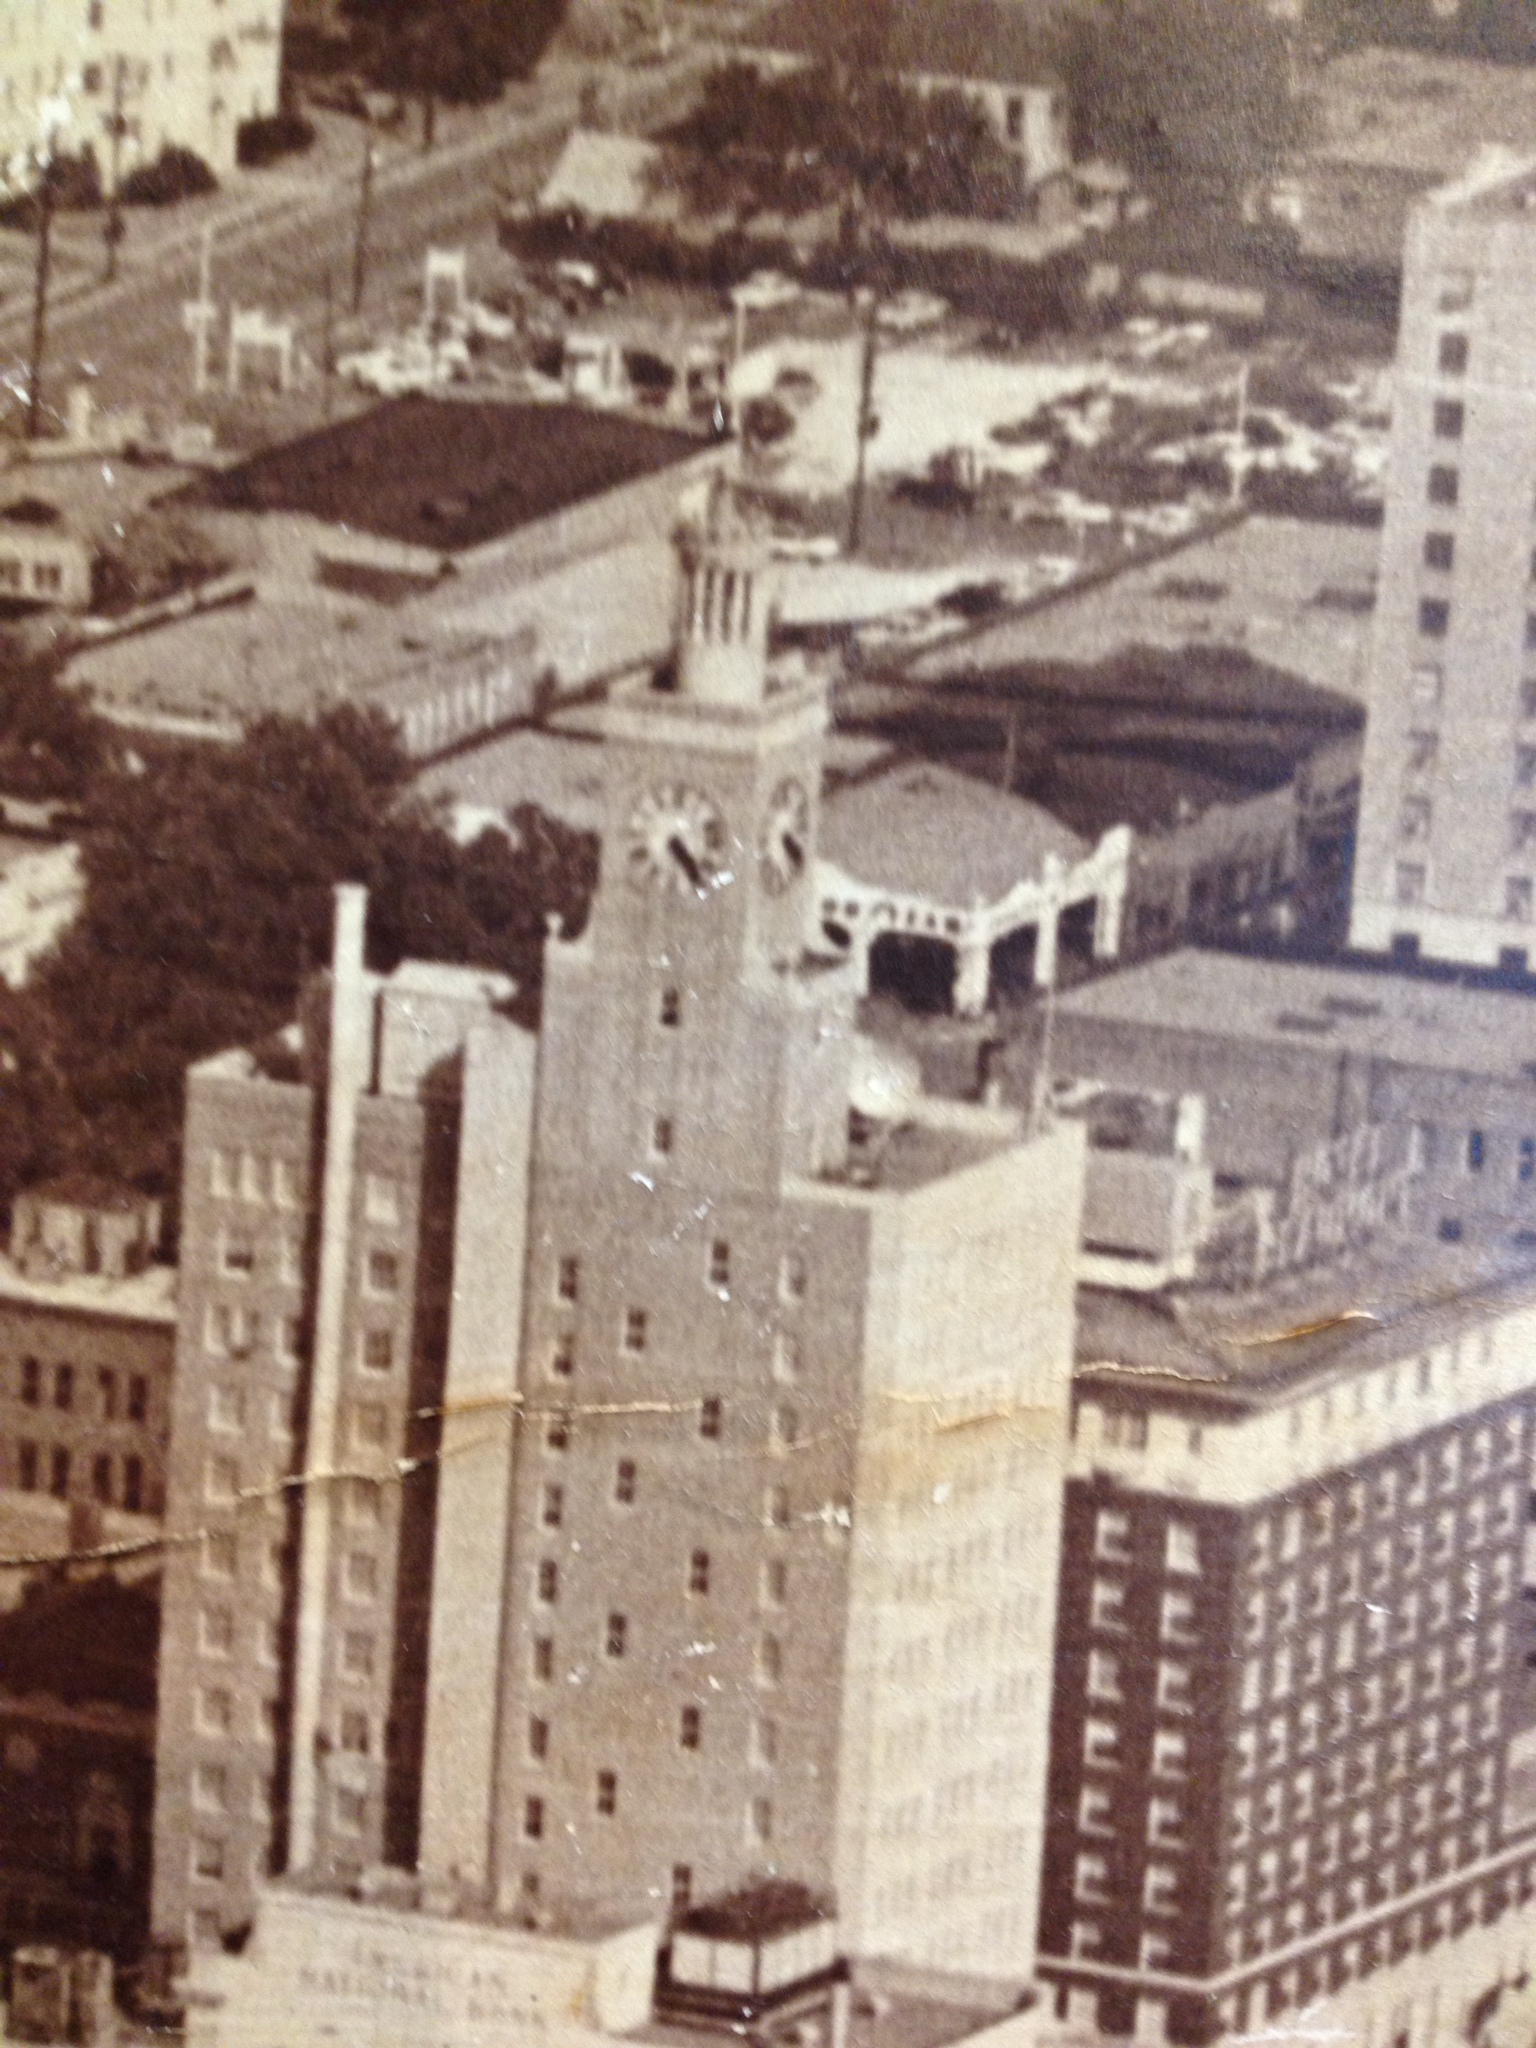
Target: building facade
<point>711,1385</point>
<point>1451,692</point>
<point>1292,1762</point>
<point>183,72</point>
<point>87,1334</point>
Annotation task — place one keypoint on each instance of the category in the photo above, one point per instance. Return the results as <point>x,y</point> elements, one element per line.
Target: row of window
<point>115,1482</point>
<point>758,1825</point>
<point>1291,1806</point>
<point>1112,1542</point>
<point>717,1273</point>
<point>1387,1566</point>
<point>1461,1457</point>
<point>119,1397</point>
<point>252,1177</point>
<point>768,1660</point>
<point>1270,1876</point>
<point>233,1330</point>
<point>1354,1711</point>
<point>690,1736</point>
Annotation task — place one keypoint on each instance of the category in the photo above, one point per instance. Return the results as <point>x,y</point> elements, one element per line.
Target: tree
<point>209,881</point>
<point>1195,93</point>
<point>455,50</point>
<point>831,134</point>
<point>52,745</point>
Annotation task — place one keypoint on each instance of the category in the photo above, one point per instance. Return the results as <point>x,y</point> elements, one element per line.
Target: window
<point>1101,1743</point>
<point>1170,1753</point>
<point>1408,882</point>
<point>1103,1676</point>
<point>1424,752</point>
<point>1434,617</point>
<point>698,1572</point>
<point>1439,551</point>
<point>1090,1880</point>
<point>1178,1618</point>
<point>567,1279</point>
<point>1182,1552</point>
<point>786,1357</point>
<point>669,1008</point>
<point>711,1417</point>
<point>362,1575</point>
<point>760,1820</point>
<point>1128,1428</point>
<point>378,1350</point>
<point>216,1632</point>
<point>1450,417</point>
<point>765,1741</point>
<point>783,1428</point>
<point>1159,1888</point>
<point>1444,485</point>
<point>624,1482</point>
<point>357,1653</point>
<point>239,1258</point>
<point>792,1277</point>
<point>776,1507</point>
<point>720,1264</point>
<point>1522,829</point>
<point>1165,1823</point>
<point>1173,1695</point>
<point>690,1728</point>
<point>215,1710</point>
<point>553,1510</point>
<point>1452,355</point>
<point>1106,1605</point>
<point>775,1582</point>
<point>770,1660</point>
<point>1518,898</point>
<point>207,1857</point>
<point>138,1398</point>
<point>557,1431</point>
<point>1094,1814</point>
<point>381,1197</point>
<point>101,1479</point>
<point>548,1581</point>
<point>364,1502</point>
<point>661,1137</point>
<point>1112,1536</point>
<point>544,1658</point>
<point>635,1325</point>
<point>607,1800</point>
<point>64,1386</point>
<point>383,1272</point>
<point>616,1637</point>
<point>533,1818</point>
<point>31,1382</point>
<point>1477,1151</point>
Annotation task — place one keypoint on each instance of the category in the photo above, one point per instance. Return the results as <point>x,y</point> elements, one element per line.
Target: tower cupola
<point>725,604</point>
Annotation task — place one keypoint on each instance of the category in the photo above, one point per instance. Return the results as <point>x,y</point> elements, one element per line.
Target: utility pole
<point>360,240</point>
<point>112,229</point>
<point>45,197</point>
<point>865,429</point>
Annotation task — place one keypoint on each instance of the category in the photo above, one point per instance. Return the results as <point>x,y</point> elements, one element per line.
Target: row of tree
<point>460,51</point>
<point>209,874</point>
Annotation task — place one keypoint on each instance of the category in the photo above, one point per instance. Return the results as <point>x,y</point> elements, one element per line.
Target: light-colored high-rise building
<point>749,1367</point>
<point>186,72</point>
<point>1445,864</point>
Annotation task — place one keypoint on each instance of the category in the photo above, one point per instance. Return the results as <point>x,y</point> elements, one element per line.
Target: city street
<point>278,236</point>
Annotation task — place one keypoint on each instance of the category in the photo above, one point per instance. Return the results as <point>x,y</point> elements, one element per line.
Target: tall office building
<point>1446,857</point>
<point>1293,1769</point>
<point>753,1364</point>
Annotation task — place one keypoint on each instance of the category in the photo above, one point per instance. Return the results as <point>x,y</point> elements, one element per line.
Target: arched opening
<point>919,972</point>
<point>1074,934</point>
<point>1013,965</point>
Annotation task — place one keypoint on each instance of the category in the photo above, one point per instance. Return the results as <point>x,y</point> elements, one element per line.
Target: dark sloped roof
<point>1008,41</point>
<point>446,473</point>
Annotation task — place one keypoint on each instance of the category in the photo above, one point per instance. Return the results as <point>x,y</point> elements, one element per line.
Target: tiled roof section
<point>1391,1300</point>
<point>1412,1020</point>
<point>924,830</point>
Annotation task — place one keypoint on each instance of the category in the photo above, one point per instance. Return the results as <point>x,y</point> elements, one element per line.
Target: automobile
<point>910,311</point>
<point>409,364</point>
<point>764,290</point>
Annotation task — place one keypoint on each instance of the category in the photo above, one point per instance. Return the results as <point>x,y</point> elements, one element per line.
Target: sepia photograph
<point>768,1023</point>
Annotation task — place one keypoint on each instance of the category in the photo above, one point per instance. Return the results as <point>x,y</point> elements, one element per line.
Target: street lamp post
<point>45,200</point>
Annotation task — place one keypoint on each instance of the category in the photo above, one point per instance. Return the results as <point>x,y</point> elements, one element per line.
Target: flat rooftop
<point>1408,1019</point>
<point>147,1297</point>
<point>1294,593</point>
<point>446,473</point>
<point>1387,1301</point>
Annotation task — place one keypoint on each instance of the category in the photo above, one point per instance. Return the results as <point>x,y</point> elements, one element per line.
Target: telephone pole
<point>45,197</point>
<point>360,241</point>
<point>866,426</point>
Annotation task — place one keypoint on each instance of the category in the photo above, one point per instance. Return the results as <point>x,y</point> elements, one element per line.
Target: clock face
<point>677,841</point>
<point>785,839</point>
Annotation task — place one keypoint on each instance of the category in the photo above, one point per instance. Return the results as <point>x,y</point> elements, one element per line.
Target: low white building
<point>41,891</point>
<point>184,72</point>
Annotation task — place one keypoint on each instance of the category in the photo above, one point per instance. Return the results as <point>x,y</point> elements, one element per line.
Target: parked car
<point>764,290</point>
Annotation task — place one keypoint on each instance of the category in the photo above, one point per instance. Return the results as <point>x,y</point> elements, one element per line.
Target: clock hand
<point>677,846</point>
